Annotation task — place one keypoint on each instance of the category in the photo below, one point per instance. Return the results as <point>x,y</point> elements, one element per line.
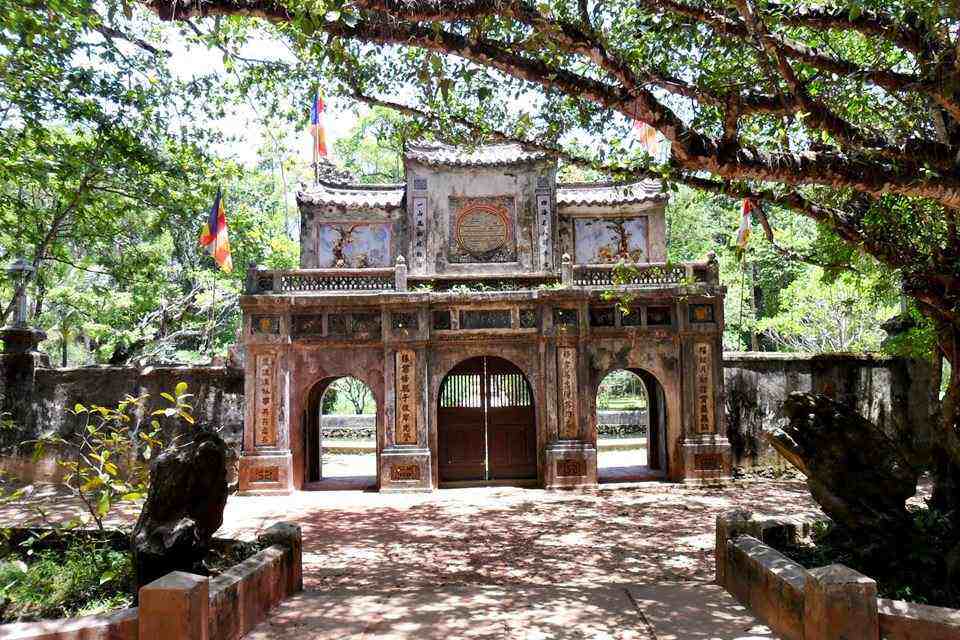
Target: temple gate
<point>474,300</point>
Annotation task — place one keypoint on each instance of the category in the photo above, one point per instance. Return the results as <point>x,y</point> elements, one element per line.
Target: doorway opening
<point>341,433</point>
<point>486,424</point>
<point>631,427</point>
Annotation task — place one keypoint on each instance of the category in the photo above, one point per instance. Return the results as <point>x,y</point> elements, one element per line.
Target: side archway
<point>631,420</point>
<point>340,433</point>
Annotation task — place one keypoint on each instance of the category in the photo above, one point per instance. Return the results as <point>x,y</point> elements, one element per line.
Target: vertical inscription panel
<point>265,433</point>
<point>406,384</point>
<point>568,390</point>
<point>703,353</point>
<point>543,222</point>
<point>419,232</point>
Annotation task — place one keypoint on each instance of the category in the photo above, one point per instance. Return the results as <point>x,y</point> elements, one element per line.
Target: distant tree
<point>355,391</point>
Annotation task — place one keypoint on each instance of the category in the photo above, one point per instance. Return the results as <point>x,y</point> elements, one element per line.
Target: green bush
<point>916,572</point>
<point>84,579</point>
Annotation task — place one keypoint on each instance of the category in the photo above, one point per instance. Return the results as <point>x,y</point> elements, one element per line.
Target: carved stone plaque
<point>265,474</point>
<point>265,324</point>
<point>571,467</point>
<point>704,396</point>
<point>406,385</point>
<point>567,389</point>
<point>482,230</point>
<point>404,472</point>
<point>708,462</point>
<point>265,431</point>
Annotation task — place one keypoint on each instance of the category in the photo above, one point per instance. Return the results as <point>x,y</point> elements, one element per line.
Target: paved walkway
<point>620,562</point>
<point>624,561</point>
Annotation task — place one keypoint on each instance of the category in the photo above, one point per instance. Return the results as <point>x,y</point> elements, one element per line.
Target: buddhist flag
<point>648,137</point>
<point>746,222</point>
<point>317,130</point>
<point>215,236</point>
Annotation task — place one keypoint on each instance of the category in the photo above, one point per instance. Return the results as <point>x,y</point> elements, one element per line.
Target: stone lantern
<point>19,270</point>
<point>18,336</point>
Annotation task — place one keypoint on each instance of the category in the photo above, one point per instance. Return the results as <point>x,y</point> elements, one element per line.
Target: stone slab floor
<point>624,561</point>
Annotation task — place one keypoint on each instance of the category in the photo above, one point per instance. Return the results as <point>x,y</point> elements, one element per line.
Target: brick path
<point>504,562</point>
<point>620,562</point>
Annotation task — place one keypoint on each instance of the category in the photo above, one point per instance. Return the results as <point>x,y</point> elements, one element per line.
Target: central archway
<point>485,422</point>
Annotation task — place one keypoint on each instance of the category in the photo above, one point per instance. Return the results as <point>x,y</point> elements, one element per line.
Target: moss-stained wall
<point>894,392</point>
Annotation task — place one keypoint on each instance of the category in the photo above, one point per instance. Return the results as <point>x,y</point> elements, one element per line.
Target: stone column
<point>266,462</point>
<point>405,458</point>
<point>706,450</point>
<point>570,461</point>
<point>19,361</point>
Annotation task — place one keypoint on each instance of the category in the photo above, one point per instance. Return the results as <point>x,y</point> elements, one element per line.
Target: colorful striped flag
<point>215,236</point>
<point>317,130</point>
<point>746,222</point>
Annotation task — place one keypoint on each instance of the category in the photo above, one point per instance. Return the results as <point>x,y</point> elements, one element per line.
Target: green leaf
<point>180,389</point>
<point>103,505</point>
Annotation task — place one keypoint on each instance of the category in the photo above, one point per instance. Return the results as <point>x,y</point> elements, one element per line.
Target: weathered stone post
<point>840,603</point>
<point>175,606</point>
<point>20,358</point>
<point>400,275</point>
<point>566,270</point>
<point>250,285</point>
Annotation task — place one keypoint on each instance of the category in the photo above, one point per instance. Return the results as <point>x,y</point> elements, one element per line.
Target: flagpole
<point>213,305</point>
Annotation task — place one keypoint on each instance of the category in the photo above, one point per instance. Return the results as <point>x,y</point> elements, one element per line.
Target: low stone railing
<point>184,605</point>
<point>261,281</point>
<point>652,274</point>
<point>825,603</point>
<point>306,280</point>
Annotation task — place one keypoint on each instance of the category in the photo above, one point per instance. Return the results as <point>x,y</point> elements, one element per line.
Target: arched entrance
<point>485,423</point>
<point>631,426</point>
<point>340,449</point>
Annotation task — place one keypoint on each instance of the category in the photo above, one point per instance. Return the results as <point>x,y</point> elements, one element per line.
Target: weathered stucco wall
<point>892,392</point>
<point>217,402</point>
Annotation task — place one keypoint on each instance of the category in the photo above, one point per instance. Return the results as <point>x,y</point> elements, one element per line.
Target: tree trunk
<point>946,439</point>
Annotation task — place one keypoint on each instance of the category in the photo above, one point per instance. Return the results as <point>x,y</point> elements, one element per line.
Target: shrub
<point>106,460</point>
<point>86,578</point>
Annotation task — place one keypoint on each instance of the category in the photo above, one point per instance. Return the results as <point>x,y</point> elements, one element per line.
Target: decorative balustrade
<point>641,274</point>
<point>321,280</point>
<point>396,279</point>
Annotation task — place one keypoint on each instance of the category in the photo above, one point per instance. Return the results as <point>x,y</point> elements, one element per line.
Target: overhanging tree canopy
<point>846,111</point>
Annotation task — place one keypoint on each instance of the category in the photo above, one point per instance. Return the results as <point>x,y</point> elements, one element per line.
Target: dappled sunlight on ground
<point>510,535</point>
<point>554,564</point>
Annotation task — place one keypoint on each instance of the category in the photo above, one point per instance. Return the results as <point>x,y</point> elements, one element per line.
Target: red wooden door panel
<point>486,423</point>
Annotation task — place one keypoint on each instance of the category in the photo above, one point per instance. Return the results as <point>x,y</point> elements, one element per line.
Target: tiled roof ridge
<point>361,186</point>
<point>605,184</point>
<point>492,154</point>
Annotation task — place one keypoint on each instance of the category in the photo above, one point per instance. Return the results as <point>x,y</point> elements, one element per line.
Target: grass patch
<point>84,579</point>
<point>916,572</point>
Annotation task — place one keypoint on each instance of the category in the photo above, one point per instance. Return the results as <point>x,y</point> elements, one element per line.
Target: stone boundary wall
<point>217,400</point>
<point>363,427</point>
<point>181,605</point>
<point>817,604</point>
<point>892,392</point>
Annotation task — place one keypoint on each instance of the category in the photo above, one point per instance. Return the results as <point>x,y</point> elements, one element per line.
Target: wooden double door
<point>486,427</point>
